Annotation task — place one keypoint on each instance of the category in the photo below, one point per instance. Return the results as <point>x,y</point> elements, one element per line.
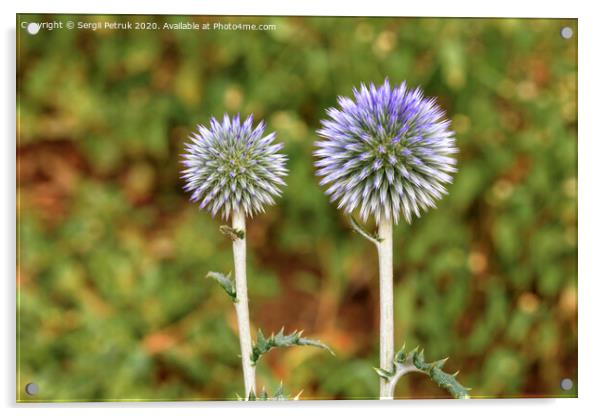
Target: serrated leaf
<point>232,233</point>
<point>279,394</point>
<point>263,345</point>
<point>226,282</point>
<point>363,232</point>
<point>415,361</point>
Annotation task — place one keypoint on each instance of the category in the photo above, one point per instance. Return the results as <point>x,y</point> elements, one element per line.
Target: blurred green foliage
<point>112,300</point>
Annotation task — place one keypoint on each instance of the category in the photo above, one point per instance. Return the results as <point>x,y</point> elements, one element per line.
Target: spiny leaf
<point>414,361</point>
<point>225,282</point>
<point>440,377</point>
<point>363,232</point>
<point>263,344</point>
<point>279,394</point>
<point>232,233</point>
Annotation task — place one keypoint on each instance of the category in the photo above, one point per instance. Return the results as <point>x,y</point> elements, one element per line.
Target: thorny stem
<point>239,247</point>
<point>385,265</point>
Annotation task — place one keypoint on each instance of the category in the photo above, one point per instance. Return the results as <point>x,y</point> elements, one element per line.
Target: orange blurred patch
<point>157,342</point>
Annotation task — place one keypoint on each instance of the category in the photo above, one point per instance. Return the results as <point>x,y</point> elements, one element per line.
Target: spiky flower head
<point>387,151</point>
<point>231,165</point>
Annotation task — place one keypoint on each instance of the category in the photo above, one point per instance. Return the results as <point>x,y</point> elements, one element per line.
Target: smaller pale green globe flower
<point>232,166</point>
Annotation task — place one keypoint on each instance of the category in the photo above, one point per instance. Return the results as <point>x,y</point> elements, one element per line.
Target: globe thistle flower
<point>386,151</point>
<point>233,166</point>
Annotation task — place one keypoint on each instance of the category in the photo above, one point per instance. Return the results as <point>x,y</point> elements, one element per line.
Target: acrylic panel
<point>405,192</point>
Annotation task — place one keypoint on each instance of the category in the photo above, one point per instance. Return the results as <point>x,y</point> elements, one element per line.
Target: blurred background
<point>113,303</point>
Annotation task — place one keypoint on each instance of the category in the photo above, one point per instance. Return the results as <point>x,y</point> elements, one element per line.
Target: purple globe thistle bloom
<point>388,150</point>
<point>232,165</point>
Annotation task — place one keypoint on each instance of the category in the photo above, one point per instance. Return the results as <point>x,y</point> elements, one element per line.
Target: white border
<point>590,205</point>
